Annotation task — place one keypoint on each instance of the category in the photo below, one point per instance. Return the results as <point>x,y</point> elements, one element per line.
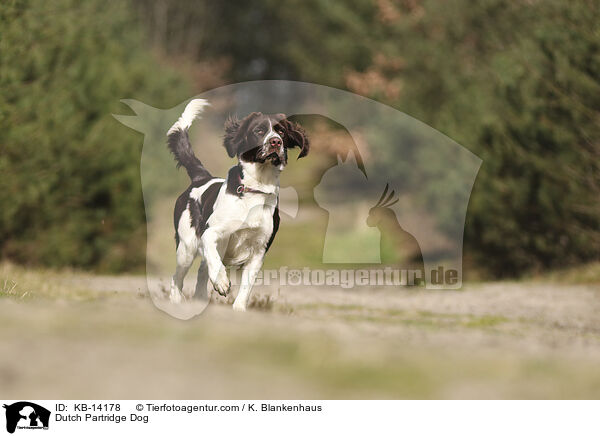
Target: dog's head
<point>264,138</point>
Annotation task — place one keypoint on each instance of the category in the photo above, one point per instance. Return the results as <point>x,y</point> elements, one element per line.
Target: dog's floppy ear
<point>295,136</point>
<point>236,132</point>
<point>232,126</point>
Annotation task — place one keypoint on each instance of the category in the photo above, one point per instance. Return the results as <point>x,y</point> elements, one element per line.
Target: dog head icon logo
<point>27,415</point>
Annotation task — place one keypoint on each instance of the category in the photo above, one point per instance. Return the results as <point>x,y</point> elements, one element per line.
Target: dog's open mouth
<point>272,155</point>
<point>274,158</point>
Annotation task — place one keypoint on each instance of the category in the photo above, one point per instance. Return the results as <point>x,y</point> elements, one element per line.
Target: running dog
<point>231,221</point>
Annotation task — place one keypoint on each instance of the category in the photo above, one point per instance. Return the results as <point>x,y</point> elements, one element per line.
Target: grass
<point>45,284</point>
<point>582,274</point>
<point>425,319</point>
<point>9,289</point>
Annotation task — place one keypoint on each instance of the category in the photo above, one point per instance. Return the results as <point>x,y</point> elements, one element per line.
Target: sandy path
<point>500,340</point>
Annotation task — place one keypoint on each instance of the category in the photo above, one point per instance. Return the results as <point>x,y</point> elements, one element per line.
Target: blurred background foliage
<point>70,187</point>
<point>515,82</point>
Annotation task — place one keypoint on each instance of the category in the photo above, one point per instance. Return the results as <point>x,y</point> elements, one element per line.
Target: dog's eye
<point>260,132</point>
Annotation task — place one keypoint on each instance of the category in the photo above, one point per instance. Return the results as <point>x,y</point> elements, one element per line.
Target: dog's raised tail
<point>179,141</point>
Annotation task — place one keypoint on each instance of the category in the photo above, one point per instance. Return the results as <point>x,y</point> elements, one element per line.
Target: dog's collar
<point>242,189</point>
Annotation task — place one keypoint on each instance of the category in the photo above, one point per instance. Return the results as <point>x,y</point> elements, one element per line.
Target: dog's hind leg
<point>185,258</point>
<point>201,291</point>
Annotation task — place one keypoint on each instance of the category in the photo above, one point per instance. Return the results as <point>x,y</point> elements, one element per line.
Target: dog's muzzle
<point>273,149</point>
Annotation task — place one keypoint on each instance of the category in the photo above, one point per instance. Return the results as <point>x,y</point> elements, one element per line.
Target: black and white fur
<point>231,221</point>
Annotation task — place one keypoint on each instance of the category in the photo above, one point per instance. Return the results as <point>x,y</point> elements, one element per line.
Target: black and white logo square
<point>26,415</point>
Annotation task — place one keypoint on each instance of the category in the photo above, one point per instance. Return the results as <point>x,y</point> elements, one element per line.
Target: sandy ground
<point>80,336</point>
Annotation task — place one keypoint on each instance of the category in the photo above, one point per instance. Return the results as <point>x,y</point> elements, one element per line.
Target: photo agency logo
<point>380,200</point>
<point>24,415</point>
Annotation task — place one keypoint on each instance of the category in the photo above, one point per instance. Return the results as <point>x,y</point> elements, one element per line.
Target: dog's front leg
<point>249,273</point>
<point>216,270</point>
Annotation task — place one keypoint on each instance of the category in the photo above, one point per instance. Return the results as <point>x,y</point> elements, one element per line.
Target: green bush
<point>70,186</point>
<point>537,203</point>
<point>519,85</point>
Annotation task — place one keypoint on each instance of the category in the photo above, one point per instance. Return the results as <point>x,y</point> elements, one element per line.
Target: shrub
<point>70,186</point>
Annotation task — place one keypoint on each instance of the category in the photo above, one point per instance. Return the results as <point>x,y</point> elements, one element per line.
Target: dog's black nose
<point>275,142</point>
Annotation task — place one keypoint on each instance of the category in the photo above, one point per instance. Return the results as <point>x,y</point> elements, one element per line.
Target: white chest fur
<point>244,224</point>
<point>254,229</point>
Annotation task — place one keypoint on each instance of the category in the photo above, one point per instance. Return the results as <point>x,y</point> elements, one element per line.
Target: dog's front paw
<point>174,294</point>
<point>239,306</point>
<point>222,283</point>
